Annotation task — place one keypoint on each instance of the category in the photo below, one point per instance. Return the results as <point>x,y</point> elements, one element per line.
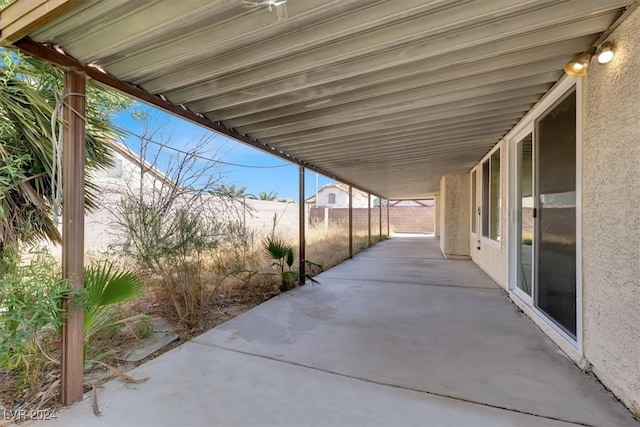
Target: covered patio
<point>396,336</point>
<point>401,99</point>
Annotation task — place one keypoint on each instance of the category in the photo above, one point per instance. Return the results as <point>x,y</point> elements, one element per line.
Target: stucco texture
<point>492,255</point>
<point>611,220</point>
<point>454,214</point>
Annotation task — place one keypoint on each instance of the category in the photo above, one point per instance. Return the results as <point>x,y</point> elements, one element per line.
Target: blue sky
<point>267,173</point>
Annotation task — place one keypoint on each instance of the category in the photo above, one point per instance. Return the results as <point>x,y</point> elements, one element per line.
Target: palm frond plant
<point>283,257</point>
<point>263,195</point>
<point>104,288</point>
<point>29,93</point>
<point>281,254</point>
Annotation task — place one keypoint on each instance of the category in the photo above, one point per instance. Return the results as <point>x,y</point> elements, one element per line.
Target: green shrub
<point>31,314</point>
<point>30,296</point>
<point>105,287</point>
<point>283,257</point>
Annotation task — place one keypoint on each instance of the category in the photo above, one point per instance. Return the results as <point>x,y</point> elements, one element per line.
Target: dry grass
<point>222,284</point>
<point>330,246</point>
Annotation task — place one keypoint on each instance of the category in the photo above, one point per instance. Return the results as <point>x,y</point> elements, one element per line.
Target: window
<point>332,198</point>
<point>473,202</point>
<point>491,196</point>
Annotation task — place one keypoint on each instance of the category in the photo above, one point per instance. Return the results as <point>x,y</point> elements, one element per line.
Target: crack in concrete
<point>353,377</point>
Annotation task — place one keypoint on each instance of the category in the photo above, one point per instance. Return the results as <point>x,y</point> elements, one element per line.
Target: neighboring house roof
<point>126,152</point>
<point>340,187</point>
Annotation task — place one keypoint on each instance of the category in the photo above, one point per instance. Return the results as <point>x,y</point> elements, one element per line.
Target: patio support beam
<point>302,245</point>
<point>350,221</point>
<point>380,216</point>
<point>21,17</point>
<point>388,220</point>
<point>73,164</point>
<point>48,54</point>
<point>436,216</point>
<point>369,219</point>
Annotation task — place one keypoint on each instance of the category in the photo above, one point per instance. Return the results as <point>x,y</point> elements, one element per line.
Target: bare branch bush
<point>175,223</point>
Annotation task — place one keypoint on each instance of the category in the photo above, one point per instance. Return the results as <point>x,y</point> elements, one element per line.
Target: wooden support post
<point>388,220</point>
<point>380,214</point>
<point>350,221</point>
<point>369,219</point>
<point>73,163</point>
<point>302,270</point>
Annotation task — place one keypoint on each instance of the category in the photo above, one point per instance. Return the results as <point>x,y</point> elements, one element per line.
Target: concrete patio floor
<point>397,336</point>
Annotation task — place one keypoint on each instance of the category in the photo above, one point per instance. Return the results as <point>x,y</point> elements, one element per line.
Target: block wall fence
<point>403,219</point>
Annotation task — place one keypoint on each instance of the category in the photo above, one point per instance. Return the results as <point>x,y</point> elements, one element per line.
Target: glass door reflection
<point>525,215</point>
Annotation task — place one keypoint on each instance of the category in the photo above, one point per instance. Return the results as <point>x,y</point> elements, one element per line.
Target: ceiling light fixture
<point>605,53</point>
<point>579,66</point>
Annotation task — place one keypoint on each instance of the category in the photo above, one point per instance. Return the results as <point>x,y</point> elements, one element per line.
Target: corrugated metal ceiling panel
<point>388,94</point>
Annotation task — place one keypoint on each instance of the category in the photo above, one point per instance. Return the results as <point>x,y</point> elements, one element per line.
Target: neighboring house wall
<point>341,194</point>
<point>126,172</point>
<point>100,233</point>
<point>611,220</point>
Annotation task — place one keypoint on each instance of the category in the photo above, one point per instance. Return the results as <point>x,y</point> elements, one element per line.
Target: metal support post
<point>302,269</point>
<point>350,221</point>
<point>369,219</point>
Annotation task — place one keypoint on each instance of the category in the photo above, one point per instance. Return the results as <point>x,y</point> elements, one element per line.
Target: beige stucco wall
<point>492,255</point>
<point>611,216</point>
<point>454,214</point>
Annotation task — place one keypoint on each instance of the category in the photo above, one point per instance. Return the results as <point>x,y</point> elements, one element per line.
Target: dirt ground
<point>228,304</point>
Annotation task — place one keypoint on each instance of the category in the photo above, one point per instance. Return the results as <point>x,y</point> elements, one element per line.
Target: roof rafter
<point>51,55</point>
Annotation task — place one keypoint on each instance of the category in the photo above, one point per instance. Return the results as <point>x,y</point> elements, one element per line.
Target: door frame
<point>525,126</point>
<point>513,217</point>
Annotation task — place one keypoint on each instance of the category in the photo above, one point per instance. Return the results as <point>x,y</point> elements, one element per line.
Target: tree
<point>231,191</point>
<point>263,195</point>
<point>30,92</point>
<point>172,222</point>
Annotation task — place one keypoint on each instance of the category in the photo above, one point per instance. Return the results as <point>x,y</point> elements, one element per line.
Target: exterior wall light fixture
<point>605,53</point>
<point>579,66</point>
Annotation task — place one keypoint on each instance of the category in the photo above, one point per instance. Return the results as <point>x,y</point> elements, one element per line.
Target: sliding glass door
<point>524,212</point>
<point>556,213</point>
<point>544,207</point>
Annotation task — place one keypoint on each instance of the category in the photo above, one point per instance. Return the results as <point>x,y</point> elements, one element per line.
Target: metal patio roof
<point>387,95</point>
